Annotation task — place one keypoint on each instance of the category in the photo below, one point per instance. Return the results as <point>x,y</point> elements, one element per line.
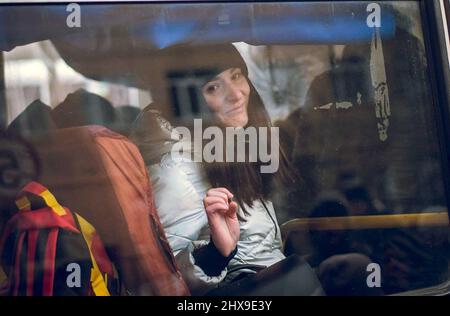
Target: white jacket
<point>179,188</point>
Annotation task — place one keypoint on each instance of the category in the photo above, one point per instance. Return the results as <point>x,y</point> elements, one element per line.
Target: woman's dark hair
<point>244,179</point>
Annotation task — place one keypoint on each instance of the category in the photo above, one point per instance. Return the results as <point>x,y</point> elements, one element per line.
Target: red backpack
<point>46,250</point>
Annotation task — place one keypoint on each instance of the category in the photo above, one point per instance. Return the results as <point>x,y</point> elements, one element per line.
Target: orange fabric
<point>102,176</point>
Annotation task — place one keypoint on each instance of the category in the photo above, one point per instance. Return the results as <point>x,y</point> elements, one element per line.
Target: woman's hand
<point>222,219</point>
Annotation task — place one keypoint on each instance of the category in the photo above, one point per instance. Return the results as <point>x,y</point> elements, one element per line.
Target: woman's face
<point>227,97</point>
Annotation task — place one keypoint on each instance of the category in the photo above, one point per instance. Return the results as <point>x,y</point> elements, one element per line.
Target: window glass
<point>349,176</point>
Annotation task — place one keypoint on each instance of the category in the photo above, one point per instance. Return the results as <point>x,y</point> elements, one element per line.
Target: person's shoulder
<point>180,180</point>
<point>179,166</point>
<point>181,155</point>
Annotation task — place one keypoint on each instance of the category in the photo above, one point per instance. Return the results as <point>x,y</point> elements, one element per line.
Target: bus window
<point>306,130</point>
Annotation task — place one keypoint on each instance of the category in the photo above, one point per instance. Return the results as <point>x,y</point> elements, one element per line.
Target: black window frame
<point>439,75</point>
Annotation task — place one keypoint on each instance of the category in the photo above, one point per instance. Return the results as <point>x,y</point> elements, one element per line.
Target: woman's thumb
<point>232,209</point>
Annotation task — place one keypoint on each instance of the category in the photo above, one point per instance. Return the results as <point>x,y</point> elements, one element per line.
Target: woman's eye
<point>236,76</point>
<point>212,88</point>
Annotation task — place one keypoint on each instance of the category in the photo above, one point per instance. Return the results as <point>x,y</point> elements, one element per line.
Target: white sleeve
<point>179,188</point>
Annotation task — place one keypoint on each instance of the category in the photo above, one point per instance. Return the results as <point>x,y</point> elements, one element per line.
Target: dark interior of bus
<point>355,106</point>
